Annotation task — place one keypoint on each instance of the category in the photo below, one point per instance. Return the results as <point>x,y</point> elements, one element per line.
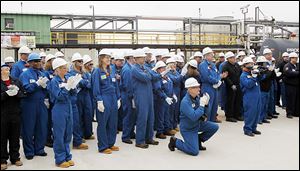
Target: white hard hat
<point>193,63</point>
<point>105,52</point>
<point>159,64</point>
<point>49,57</point>
<point>181,54</point>
<point>76,56</point>
<point>207,50</point>
<point>293,55</point>
<point>86,59</point>
<point>43,54</point>
<point>198,54</point>
<point>247,60</point>
<point>261,59</point>
<point>266,51</point>
<point>229,55</point>
<point>241,53</point>
<point>191,82</point>
<point>129,53</point>
<point>59,54</point>
<point>192,57</point>
<point>119,56</point>
<point>58,62</point>
<point>147,50</point>
<point>252,56</point>
<point>153,58</point>
<point>166,55</point>
<point>273,59</point>
<point>139,53</point>
<point>179,58</point>
<point>221,54</point>
<point>24,49</point>
<point>170,60</point>
<point>9,59</point>
<point>285,54</point>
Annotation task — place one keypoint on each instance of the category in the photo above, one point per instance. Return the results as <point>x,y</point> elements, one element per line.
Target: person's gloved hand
<point>77,79</point>
<point>165,72</point>
<point>217,85</point>
<point>204,100</point>
<point>40,81</point>
<point>100,106</point>
<point>278,74</point>
<point>133,104</point>
<point>233,87</point>
<point>119,103</point>
<point>70,83</point>
<point>271,68</point>
<point>175,98</point>
<point>169,100</point>
<point>44,82</point>
<point>46,102</point>
<point>12,92</point>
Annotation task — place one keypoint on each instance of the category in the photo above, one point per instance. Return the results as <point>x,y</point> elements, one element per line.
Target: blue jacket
<point>190,113</point>
<point>18,68</point>
<point>126,80</point>
<point>249,85</point>
<point>142,82</point>
<point>209,73</point>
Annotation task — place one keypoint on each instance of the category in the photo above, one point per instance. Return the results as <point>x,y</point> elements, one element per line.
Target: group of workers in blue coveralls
<point>54,101</point>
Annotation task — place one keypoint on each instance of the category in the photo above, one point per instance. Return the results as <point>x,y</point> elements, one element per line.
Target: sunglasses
<point>79,61</point>
<point>36,61</point>
<point>90,64</point>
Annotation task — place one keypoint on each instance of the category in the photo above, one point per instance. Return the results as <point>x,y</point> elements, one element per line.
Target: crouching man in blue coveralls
<point>192,121</point>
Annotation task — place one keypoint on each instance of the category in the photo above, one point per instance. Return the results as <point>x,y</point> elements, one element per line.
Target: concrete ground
<point>276,148</point>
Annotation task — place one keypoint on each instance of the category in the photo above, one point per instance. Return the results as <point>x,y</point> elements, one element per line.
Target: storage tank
<point>278,46</point>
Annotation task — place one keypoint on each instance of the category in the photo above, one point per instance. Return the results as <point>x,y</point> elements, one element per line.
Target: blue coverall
<point>105,89</point>
<point>62,119</point>
<point>191,125</point>
<point>143,97</point>
<point>209,77</point>
<point>34,114</point>
<point>18,68</point>
<point>251,101</point>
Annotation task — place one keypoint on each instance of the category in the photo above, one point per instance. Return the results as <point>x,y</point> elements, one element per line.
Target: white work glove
<point>40,81</point>
<point>70,83</point>
<point>184,70</point>
<point>254,73</point>
<point>165,72</point>
<point>46,102</point>
<point>119,103</point>
<point>278,74</point>
<point>276,70</point>
<point>271,68</point>
<point>12,92</point>
<point>233,87</point>
<point>13,87</point>
<point>100,106</point>
<point>169,100</point>
<point>175,98</point>
<point>133,104</point>
<point>77,79</point>
<point>217,85</point>
<point>44,82</point>
<point>204,100</point>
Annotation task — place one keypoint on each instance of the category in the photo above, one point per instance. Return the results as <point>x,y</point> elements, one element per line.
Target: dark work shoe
<point>276,113</point>
<point>201,148</point>
<point>42,154</point>
<point>152,142</point>
<point>269,117</point>
<point>256,132</point>
<point>250,134</point>
<point>161,136</point>
<point>289,116</point>
<point>29,157</point>
<point>240,118</point>
<point>274,116</point>
<point>231,120</point>
<point>127,141</point>
<point>144,146</point>
<point>266,121</point>
<point>172,144</point>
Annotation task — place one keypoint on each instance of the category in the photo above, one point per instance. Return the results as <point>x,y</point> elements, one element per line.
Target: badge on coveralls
<point>32,81</point>
<point>24,69</point>
<point>113,79</point>
<point>193,105</point>
<point>103,77</point>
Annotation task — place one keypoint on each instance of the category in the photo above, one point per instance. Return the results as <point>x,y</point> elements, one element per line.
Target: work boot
<point>289,116</point>
<point>83,140</point>
<point>3,166</point>
<point>240,118</point>
<point>177,129</point>
<point>92,137</point>
<point>269,117</point>
<point>49,144</point>
<point>250,134</point>
<point>64,165</point>
<point>114,148</point>
<point>81,147</point>
<point>42,154</point>
<point>201,148</point>
<point>256,132</point>
<point>169,133</point>
<point>160,136</point>
<point>132,136</point>
<point>71,163</point>
<point>152,142</point>
<point>127,141</point>
<point>172,144</point>
<point>266,121</point>
<point>276,113</point>
<point>274,116</point>
<point>29,157</point>
<point>17,163</point>
<point>231,120</point>
<point>144,146</point>
<point>106,151</point>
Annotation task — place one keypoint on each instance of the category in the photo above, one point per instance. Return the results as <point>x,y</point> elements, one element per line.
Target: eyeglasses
<point>90,64</point>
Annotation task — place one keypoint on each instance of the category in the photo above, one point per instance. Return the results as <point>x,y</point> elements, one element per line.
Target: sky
<point>280,10</point>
